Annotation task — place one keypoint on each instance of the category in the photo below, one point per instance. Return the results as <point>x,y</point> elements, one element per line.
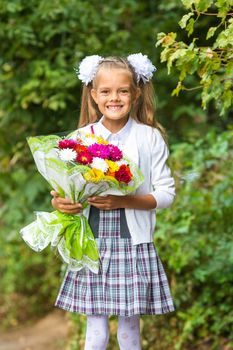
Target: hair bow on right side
<point>142,66</point>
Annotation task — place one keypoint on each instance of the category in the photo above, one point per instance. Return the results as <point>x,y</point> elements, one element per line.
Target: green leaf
<point>227,100</point>
<point>177,90</point>
<point>187,3</point>
<point>166,40</point>
<point>203,5</point>
<point>211,32</point>
<point>184,19</point>
<point>223,7</point>
<point>189,28</point>
<point>229,68</point>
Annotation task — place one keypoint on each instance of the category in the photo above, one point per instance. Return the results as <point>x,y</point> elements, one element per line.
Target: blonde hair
<point>143,108</point>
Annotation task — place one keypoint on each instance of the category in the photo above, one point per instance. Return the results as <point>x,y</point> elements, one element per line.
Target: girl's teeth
<point>114,108</point>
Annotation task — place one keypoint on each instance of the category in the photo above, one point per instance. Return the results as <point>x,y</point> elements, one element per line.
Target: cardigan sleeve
<point>162,182</point>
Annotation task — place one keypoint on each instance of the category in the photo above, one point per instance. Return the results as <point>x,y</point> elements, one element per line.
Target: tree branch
<point>211,14</point>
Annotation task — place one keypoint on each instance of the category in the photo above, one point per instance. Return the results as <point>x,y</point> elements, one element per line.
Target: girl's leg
<point>128,333</point>
<point>97,333</point>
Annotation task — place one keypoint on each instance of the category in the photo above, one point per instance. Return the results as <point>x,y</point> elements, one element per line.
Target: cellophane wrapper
<point>70,235</point>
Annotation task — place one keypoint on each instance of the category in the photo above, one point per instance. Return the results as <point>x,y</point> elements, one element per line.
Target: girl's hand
<point>64,204</point>
<point>106,203</point>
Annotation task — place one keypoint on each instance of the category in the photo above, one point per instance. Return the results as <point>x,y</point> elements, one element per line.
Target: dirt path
<point>49,333</point>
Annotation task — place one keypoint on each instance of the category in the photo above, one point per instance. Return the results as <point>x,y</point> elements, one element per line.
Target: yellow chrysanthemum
<point>98,139</point>
<point>90,135</point>
<point>112,166</point>
<point>94,175</point>
<point>101,141</point>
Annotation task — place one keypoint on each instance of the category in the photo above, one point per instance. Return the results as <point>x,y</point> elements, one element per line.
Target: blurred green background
<point>41,43</point>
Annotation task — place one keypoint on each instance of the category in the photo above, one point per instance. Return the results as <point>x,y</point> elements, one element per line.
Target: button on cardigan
<point>145,146</point>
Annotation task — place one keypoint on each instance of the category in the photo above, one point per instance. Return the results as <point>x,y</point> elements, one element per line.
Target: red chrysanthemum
<point>80,148</point>
<point>67,144</point>
<point>84,158</point>
<point>123,174</point>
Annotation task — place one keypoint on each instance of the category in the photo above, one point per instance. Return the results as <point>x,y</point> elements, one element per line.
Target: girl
<point>118,104</point>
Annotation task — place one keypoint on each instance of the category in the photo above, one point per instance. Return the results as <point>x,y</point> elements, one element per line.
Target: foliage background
<point>41,43</point>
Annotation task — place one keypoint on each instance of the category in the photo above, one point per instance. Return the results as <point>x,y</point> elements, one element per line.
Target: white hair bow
<point>87,68</point>
<point>142,66</point>
<point>140,63</point>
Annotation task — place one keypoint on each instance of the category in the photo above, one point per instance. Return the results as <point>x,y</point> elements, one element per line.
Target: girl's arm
<point>110,202</point>
<point>163,184</point>
<point>142,202</point>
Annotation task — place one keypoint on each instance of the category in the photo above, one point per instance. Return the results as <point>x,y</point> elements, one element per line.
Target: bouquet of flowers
<point>77,167</point>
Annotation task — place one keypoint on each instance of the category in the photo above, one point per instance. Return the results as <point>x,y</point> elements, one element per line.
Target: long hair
<point>143,107</point>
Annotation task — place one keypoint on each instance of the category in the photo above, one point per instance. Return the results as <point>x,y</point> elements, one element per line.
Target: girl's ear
<point>94,95</point>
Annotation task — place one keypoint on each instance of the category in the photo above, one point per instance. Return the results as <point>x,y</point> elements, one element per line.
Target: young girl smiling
<point>118,104</point>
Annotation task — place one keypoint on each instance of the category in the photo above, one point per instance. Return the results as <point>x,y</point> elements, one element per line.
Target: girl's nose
<point>114,96</point>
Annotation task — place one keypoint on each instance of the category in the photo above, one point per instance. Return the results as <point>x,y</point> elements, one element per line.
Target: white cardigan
<point>146,147</point>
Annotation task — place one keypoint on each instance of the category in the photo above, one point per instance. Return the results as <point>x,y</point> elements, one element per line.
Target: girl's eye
<point>104,92</point>
<point>125,91</point>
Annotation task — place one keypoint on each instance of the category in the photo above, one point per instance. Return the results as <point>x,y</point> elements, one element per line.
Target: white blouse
<point>146,147</point>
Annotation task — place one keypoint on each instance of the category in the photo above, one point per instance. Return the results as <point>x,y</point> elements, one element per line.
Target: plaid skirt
<point>131,279</point>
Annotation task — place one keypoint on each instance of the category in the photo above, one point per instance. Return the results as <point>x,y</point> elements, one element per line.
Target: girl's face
<point>113,95</point>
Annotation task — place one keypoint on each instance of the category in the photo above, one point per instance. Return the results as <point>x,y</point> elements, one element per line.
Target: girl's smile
<point>113,95</point>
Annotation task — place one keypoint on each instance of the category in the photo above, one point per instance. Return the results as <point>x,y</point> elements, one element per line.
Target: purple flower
<point>99,150</point>
<point>115,152</point>
<point>67,144</point>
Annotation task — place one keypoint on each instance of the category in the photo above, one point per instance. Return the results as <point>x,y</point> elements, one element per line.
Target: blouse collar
<point>105,133</point>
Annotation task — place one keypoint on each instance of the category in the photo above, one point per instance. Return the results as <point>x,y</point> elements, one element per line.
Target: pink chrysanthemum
<point>115,152</point>
<point>99,150</point>
<point>67,144</point>
<point>84,158</point>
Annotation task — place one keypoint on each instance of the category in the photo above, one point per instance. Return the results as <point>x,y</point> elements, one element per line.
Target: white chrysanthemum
<point>100,164</point>
<point>87,68</point>
<point>67,154</point>
<point>142,66</point>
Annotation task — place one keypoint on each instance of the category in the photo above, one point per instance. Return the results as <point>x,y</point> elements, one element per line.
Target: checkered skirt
<point>131,279</point>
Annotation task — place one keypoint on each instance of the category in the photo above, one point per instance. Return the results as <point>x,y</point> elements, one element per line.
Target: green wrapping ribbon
<point>70,235</point>
<point>79,239</point>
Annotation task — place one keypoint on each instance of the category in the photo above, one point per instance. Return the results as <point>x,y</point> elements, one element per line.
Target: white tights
<point>97,333</point>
